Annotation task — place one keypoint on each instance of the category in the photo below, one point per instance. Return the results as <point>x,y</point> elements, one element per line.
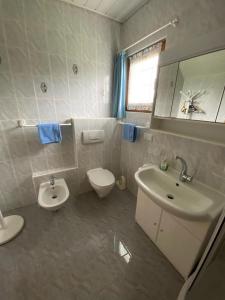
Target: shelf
<point>52,172</point>
<point>205,132</point>
<point>189,137</point>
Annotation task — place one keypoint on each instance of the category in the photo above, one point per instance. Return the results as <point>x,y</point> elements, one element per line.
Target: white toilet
<point>101,180</point>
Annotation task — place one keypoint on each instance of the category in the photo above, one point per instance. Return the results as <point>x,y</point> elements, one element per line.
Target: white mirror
<point>165,90</point>
<point>198,92</point>
<point>199,87</point>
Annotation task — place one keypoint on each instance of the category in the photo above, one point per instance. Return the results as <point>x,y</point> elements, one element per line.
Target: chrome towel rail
<point>22,123</point>
<point>138,126</point>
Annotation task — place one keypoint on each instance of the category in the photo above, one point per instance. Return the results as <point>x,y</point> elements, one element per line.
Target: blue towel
<point>49,133</point>
<point>130,132</point>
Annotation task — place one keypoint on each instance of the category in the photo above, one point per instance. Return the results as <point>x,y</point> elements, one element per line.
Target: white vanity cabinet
<point>179,240</point>
<point>178,244</point>
<point>148,215</point>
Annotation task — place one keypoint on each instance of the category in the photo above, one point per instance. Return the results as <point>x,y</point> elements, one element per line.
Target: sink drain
<point>169,196</point>
<point>54,197</point>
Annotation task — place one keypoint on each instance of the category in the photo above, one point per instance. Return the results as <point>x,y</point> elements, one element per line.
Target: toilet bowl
<point>52,197</point>
<point>101,180</point>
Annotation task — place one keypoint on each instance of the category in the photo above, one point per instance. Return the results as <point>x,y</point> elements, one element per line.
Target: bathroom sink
<point>193,201</point>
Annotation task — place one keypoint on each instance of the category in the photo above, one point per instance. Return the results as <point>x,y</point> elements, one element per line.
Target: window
<point>142,75</point>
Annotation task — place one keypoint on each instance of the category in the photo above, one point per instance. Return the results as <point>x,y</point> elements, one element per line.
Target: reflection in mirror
<point>199,87</point>
<point>165,90</point>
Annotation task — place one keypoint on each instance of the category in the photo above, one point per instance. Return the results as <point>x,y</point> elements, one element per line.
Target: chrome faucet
<point>184,177</point>
<point>52,180</point>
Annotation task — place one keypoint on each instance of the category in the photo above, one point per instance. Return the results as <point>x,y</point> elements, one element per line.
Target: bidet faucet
<point>52,180</point>
<point>184,177</point>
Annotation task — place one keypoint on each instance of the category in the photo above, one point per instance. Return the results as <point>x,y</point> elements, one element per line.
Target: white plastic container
<point>121,183</point>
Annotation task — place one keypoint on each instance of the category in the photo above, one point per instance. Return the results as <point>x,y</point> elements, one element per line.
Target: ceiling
<point>118,10</point>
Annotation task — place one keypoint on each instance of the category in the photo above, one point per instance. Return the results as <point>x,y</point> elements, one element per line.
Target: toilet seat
<point>101,177</point>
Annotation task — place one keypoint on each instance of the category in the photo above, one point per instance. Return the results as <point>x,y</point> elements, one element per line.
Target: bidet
<point>52,197</point>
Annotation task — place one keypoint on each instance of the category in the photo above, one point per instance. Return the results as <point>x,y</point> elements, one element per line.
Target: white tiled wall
<point>40,40</point>
<point>106,155</point>
<point>206,162</point>
<point>88,156</point>
<point>196,20</point>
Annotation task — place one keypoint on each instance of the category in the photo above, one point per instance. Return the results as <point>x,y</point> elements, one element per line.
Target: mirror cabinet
<point>193,89</point>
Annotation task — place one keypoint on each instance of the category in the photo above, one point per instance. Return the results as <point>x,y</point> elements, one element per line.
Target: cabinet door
<point>199,87</point>
<point>221,113</point>
<point>177,244</point>
<point>165,90</point>
<point>147,215</point>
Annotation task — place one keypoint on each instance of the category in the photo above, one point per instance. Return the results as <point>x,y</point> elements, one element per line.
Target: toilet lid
<point>101,177</point>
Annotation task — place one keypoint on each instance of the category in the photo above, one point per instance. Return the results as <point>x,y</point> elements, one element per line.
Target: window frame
<point>163,46</point>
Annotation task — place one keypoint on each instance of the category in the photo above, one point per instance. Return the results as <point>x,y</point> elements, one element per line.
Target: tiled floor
<point>91,249</point>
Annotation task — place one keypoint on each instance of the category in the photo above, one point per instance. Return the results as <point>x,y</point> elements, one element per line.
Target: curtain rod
<point>173,23</point>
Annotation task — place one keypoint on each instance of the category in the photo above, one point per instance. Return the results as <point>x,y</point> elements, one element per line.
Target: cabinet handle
<point>155,224</point>
<point>161,230</point>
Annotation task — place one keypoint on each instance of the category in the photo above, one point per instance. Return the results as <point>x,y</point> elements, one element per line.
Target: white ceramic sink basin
<point>193,201</point>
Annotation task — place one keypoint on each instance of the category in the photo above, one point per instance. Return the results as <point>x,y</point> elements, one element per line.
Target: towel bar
<point>138,126</point>
<point>22,123</point>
